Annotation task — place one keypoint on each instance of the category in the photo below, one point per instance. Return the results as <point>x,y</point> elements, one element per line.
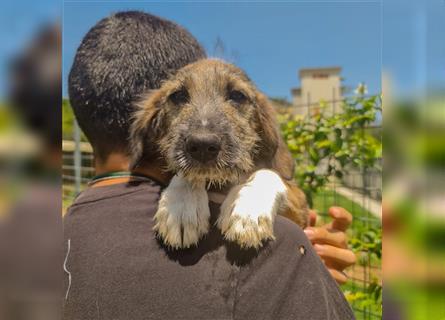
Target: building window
<point>320,76</point>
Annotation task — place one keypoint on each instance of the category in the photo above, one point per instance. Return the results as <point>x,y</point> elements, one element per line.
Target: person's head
<point>121,57</point>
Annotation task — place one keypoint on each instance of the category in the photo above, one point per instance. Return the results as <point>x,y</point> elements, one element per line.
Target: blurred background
<point>30,158</point>
<point>331,69</point>
<point>414,136</point>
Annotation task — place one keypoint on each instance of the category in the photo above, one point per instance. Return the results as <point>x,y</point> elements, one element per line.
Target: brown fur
<point>250,134</point>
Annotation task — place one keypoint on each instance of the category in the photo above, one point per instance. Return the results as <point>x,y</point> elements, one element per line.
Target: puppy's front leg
<point>248,212</point>
<point>183,213</point>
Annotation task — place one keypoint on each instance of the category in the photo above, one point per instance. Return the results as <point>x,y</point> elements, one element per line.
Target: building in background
<point>318,84</point>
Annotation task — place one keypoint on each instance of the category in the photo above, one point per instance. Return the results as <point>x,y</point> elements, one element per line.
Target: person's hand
<point>330,242</point>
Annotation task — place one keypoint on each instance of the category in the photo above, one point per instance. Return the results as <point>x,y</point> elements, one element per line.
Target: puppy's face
<point>208,122</point>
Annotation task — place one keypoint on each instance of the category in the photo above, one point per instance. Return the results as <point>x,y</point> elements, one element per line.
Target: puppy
<point>215,131</point>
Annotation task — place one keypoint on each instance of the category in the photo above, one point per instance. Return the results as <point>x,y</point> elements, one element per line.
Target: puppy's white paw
<point>249,210</point>
<point>183,214</point>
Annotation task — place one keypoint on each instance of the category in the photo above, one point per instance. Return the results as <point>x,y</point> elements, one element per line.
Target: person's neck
<point>154,171</point>
<point>116,162</point>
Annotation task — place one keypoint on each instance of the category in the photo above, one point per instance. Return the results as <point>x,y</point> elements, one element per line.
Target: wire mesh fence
<point>359,191</point>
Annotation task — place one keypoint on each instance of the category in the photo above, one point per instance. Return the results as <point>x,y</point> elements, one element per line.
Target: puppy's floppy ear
<point>283,162</point>
<point>267,128</point>
<point>273,149</point>
<point>146,127</point>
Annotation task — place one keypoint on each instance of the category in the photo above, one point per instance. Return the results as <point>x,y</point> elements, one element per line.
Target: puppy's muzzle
<point>203,147</point>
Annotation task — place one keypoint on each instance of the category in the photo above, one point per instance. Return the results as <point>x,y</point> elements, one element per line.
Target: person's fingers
<point>332,264</point>
<point>341,218</point>
<point>322,235</point>
<point>312,218</point>
<point>336,270</point>
<point>338,276</point>
<point>341,257</point>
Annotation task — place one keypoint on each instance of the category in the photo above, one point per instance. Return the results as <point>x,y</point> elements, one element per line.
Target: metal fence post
<point>77,158</point>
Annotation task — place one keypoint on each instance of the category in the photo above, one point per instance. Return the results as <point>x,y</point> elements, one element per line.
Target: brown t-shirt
<point>119,270</point>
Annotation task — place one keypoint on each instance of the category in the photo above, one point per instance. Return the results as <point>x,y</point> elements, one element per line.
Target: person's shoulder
<point>119,190</point>
<point>111,212</point>
<point>302,287</point>
<point>288,234</point>
<point>113,196</point>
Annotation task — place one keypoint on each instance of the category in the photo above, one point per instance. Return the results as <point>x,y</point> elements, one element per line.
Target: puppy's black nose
<point>203,147</point>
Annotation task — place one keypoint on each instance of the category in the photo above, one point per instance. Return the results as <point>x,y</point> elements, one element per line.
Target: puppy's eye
<point>237,96</point>
<point>179,97</point>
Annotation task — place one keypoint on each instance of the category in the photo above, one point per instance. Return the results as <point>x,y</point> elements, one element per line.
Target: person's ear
<point>273,149</point>
<point>146,128</point>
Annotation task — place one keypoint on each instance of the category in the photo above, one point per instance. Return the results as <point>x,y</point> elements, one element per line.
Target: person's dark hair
<point>120,58</point>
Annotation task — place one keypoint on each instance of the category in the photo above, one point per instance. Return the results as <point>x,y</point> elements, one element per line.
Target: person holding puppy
<point>115,267</point>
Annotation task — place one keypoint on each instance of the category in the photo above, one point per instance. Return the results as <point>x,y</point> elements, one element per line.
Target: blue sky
<point>270,41</point>
<point>414,44</point>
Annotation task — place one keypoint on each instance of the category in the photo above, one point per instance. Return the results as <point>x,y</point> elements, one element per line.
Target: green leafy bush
<point>325,144</point>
